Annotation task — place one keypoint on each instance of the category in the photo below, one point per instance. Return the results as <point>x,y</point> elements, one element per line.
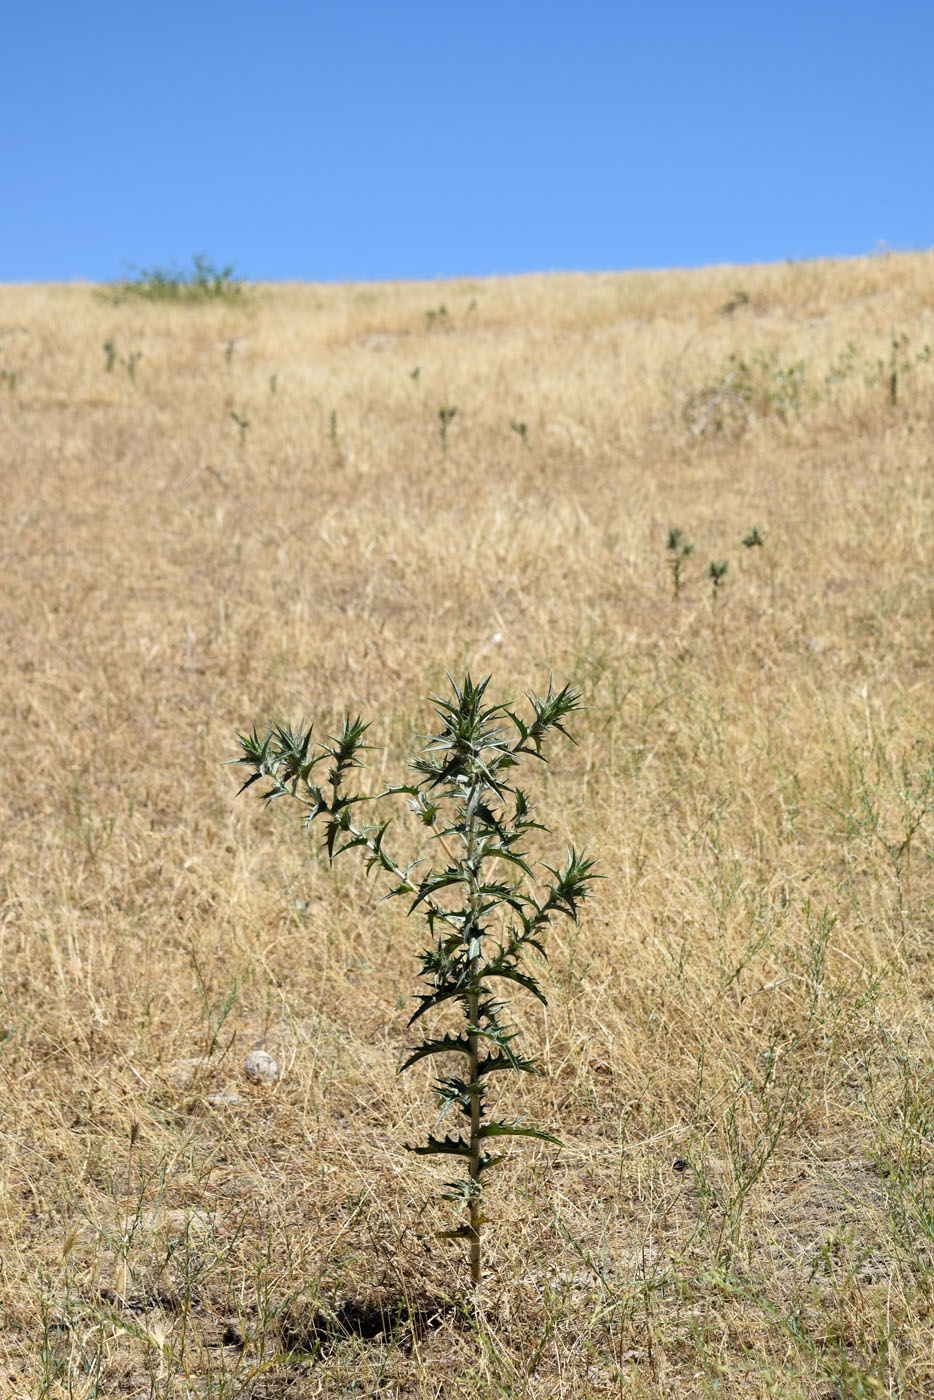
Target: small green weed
<point>680,550</point>
<point>769,386</point>
<point>737,300</point>
<point>748,388</point>
<point>890,373</point>
<point>447,413</point>
<point>901,363</point>
<point>243,423</point>
<point>129,362</point>
<point>845,366</point>
<point>716,572</point>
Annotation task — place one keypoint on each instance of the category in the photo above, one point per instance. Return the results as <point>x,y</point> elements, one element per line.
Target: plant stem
<point>473,1057</point>
<point>473,1061</point>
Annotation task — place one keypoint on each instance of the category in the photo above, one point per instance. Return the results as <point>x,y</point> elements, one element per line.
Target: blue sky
<point>351,141</point>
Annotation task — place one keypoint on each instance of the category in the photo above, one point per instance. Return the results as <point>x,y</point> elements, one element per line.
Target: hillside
<point>221,515</point>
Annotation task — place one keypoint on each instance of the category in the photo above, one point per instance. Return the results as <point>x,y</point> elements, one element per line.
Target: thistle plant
<point>897,364</point>
<point>755,539</point>
<point>242,423</point>
<point>447,412</point>
<point>483,904</point>
<point>129,362</point>
<point>717,573</point>
<point>679,551</point>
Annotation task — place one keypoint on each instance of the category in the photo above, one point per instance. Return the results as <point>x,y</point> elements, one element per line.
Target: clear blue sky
<point>424,138</point>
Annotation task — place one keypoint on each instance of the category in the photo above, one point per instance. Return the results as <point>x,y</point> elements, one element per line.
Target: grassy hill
<point>263,507</point>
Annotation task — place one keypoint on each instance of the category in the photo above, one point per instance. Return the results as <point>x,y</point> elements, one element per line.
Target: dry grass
<point>750,994</point>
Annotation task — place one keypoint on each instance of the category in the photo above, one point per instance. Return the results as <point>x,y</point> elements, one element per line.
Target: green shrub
<point>204,281</point>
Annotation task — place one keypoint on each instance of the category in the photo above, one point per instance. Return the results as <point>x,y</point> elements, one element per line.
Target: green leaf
<point>350,739</point>
<point>448,1146</point>
<point>434,882</point>
<point>463,1191</point>
<point>522,728</point>
<point>428,1000</point>
<point>456,1093</point>
<point>447,1045</point>
<point>503,854</point>
<point>249,782</point>
<point>570,884</point>
<point>493,1063</point>
<point>254,748</point>
<point>516,1130</point>
<point>512,975</point>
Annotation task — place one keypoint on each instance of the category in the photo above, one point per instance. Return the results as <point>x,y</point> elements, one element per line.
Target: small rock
<point>227,1099</point>
<point>261,1067</point>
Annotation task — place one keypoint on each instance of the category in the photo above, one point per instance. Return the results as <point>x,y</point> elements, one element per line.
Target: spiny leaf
<point>437,881</point>
<point>516,1130</point>
<point>448,1146</point>
<point>446,1045</point>
<point>549,711</point>
<point>493,1063</point>
<point>436,998</point>
<point>463,1232</point>
<point>571,884</point>
<point>511,975</point>
<point>465,1190</point>
<point>456,1093</point>
<point>502,853</point>
<point>255,749</point>
<point>350,740</point>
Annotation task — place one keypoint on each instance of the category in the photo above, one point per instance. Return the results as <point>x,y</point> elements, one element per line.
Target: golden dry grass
<point>748,996</point>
